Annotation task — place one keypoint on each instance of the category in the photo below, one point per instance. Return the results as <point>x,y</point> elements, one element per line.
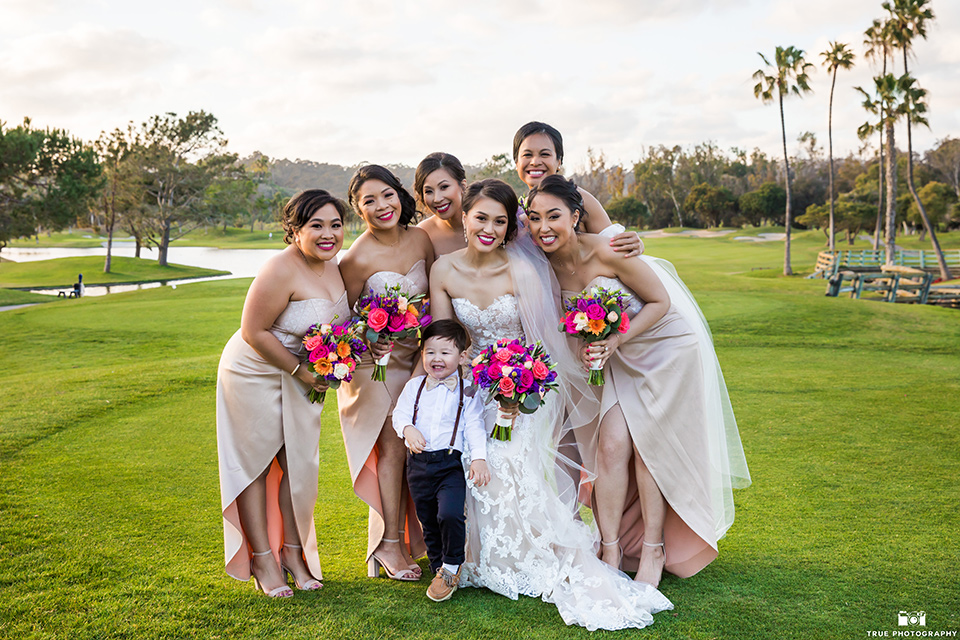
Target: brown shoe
<point>444,584</point>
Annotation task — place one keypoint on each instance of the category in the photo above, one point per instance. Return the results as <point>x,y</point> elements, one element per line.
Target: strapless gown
<point>364,406</point>
<point>259,410</point>
<point>521,538</point>
<point>656,378</point>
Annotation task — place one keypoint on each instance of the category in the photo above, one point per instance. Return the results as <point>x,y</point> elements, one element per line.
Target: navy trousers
<point>439,490</point>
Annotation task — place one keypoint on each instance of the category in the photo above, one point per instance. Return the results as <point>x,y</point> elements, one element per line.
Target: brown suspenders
<point>456,424</point>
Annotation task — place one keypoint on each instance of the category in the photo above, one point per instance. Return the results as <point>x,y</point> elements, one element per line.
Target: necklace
<point>307,263</point>
<point>563,265</point>
<point>384,243</point>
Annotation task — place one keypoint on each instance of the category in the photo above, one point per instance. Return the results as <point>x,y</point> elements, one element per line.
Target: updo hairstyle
<point>433,162</point>
<point>559,187</point>
<point>301,207</point>
<point>408,206</point>
<point>498,191</point>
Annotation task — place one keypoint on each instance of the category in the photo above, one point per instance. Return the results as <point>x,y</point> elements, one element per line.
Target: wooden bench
<point>872,282</point>
<point>909,284</point>
<point>831,263</point>
<point>945,295</point>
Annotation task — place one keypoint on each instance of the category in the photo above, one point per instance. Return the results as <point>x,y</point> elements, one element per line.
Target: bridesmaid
<point>439,185</point>
<point>650,454</point>
<point>387,253</point>
<point>268,433</point>
<point>538,153</point>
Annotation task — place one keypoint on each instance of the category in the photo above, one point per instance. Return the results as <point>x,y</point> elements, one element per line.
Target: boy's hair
<point>447,329</point>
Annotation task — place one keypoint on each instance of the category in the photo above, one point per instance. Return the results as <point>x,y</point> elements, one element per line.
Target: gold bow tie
<point>450,382</point>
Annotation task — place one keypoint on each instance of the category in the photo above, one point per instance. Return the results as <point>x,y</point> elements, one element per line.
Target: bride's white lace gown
<point>521,538</point>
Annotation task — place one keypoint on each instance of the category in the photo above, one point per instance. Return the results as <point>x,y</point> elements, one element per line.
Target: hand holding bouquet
<point>333,352</point>
<point>514,374</point>
<point>392,315</point>
<point>593,316</point>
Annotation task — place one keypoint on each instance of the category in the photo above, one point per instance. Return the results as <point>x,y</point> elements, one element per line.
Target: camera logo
<point>912,618</point>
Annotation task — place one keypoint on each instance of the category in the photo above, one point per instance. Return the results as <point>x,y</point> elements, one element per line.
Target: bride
<point>522,536</point>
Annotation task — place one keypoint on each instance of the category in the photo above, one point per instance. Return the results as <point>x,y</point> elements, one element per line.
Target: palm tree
<point>877,44</point>
<point>893,98</point>
<point>908,19</point>
<point>791,78</point>
<point>837,56</point>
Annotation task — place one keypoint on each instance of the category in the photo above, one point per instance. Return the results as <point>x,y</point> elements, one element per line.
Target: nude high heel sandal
<point>415,568</point>
<point>654,545</point>
<point>374,565</point>
<point>312,584</point>
<point>610,544</point>
<point>280,592</point>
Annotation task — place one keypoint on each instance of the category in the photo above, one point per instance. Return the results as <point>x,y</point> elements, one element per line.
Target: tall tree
<point>891,100</point>
<point>908,21</point>
<point>944,159</point>
<point>790,77</point>
<point>656,182</point>
<point>47,180</point>
<point>122,190</point>
<point>836,57</point>
<point>179,159</point>
<point>877,45</point>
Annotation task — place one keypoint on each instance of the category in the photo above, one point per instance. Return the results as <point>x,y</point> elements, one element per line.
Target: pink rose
<point>477,370</point>
<point>396,324</point>
<point>312,342</point>
<point>319,353</point>
<point>506,387</point>
<point>596,312</point>
<point>378,319</point>
<point>516,348</point>
<point>526,380</point>
<point>410,320</point>
<point>571,324</point>
<point>496,370</point>
<point>624,324</point>
<point>503,355</point>
<point>540,370</point>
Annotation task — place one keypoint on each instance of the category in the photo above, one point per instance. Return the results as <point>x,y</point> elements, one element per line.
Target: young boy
<point>435,420</point>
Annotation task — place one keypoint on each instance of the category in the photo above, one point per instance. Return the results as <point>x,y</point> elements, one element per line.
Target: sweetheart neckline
<point>324,299</point>
<point>397,273</point>
<point>591,282</point>
<point>477,307</point>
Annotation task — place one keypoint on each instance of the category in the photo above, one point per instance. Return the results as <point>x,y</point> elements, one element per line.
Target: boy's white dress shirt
<point>436,417</point>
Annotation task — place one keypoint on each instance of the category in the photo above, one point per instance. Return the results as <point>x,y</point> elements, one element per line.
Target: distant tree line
<point>703,186</point>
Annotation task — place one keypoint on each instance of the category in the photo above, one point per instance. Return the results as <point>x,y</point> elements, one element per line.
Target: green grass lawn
<point>110,520</point>
<point>62,272</point>
<point>12,296</point>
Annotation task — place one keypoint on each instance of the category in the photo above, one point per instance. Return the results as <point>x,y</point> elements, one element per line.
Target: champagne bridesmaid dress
<point>364,406</point>
<point>260,409</point>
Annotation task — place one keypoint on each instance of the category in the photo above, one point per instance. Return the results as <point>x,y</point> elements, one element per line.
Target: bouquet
<point>333,352</point>
<point>514,374</point>
<point>593,316</point>
<point>392,315</point>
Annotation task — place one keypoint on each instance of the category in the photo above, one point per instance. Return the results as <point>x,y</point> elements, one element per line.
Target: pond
<point>241,263</point>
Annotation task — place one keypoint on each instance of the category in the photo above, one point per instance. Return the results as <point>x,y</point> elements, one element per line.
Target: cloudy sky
<point>382,81</point>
